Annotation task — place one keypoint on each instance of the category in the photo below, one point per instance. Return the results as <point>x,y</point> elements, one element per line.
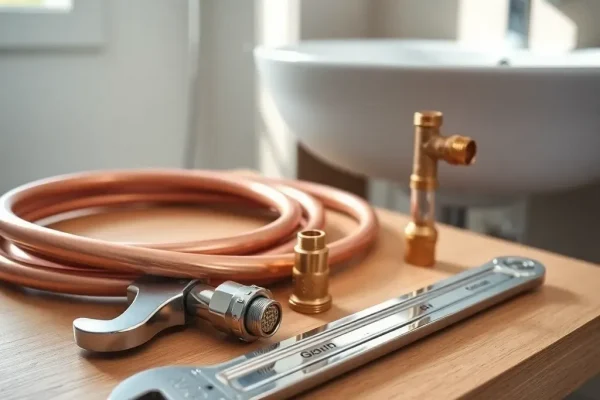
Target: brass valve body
<point>430,146</point>
<point>310,274</point>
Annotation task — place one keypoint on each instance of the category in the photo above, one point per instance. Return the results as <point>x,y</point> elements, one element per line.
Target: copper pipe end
<point>310,275</point>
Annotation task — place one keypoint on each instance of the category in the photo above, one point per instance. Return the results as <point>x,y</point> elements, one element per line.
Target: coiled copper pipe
<point>34,256</point>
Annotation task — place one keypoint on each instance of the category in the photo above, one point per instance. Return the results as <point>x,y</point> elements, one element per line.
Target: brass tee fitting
<point>430,146</point>
<point>311,274</point>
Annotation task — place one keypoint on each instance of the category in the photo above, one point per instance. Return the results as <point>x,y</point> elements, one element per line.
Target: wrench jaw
<point>155,304</point>
<point>170,383</point>
<point>150,384</point>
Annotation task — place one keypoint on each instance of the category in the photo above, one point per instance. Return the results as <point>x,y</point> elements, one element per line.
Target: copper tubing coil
<point>35,256</point>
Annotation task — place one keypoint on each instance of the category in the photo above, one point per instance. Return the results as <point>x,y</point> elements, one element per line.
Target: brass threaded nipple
<point>311,240</point>
<point>461,150</point>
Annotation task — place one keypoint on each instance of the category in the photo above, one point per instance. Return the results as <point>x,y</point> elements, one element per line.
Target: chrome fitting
<point>247,312</point>
<point>158,303</point>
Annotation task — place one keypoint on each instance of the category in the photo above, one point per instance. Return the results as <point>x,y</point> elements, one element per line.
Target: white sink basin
<point>351,103</point>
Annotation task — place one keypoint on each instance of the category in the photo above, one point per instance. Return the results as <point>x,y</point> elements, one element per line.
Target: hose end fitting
<point>311,274</point>
<point>247,312</point>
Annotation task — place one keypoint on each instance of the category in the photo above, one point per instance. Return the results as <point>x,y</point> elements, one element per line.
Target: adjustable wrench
<point>299,363</point>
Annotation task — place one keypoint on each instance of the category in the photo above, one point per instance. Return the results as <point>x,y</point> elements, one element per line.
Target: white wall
<point>424,19</point>
<point>335,19</point>
<point>482,22</point>
<point>278,24</point>
<point>582,15</point>
<point>551,29</point>
<point>121,105</point>
<point>225,112</point>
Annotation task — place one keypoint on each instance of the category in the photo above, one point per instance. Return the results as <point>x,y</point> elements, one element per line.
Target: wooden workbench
<point>539,345</point>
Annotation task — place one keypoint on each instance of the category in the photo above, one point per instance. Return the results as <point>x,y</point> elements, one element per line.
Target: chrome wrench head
<point>169,383</point>
<point>155,304</point>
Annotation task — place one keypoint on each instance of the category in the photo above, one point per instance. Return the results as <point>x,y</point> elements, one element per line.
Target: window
<point>35,5</point>
<point>44,24</point>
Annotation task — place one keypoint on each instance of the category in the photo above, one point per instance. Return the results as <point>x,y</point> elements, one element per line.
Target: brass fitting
<point>311,274</point>
<point>430,146</point>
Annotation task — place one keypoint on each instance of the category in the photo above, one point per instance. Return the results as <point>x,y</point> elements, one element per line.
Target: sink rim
<point>299,54</point>
<point>312,100</point>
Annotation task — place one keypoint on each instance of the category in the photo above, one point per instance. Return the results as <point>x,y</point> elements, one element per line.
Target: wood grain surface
<point>539,345</point>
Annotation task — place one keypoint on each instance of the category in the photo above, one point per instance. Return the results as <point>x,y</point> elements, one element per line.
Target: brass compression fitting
<point>310,274</point>
<point>430,146</point>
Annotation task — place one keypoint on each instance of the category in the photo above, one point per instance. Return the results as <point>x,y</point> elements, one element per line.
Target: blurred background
<point>97,84</point>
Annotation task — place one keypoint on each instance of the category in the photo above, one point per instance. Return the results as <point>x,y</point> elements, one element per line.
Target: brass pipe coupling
<point>430,146</point>
<point>310,274</point>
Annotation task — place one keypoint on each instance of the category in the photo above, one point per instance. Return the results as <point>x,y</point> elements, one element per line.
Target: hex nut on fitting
<point>247,312</point>
<point>310,275</point>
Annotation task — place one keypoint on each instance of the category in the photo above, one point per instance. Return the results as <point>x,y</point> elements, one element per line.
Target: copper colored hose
<point>34,256</point>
